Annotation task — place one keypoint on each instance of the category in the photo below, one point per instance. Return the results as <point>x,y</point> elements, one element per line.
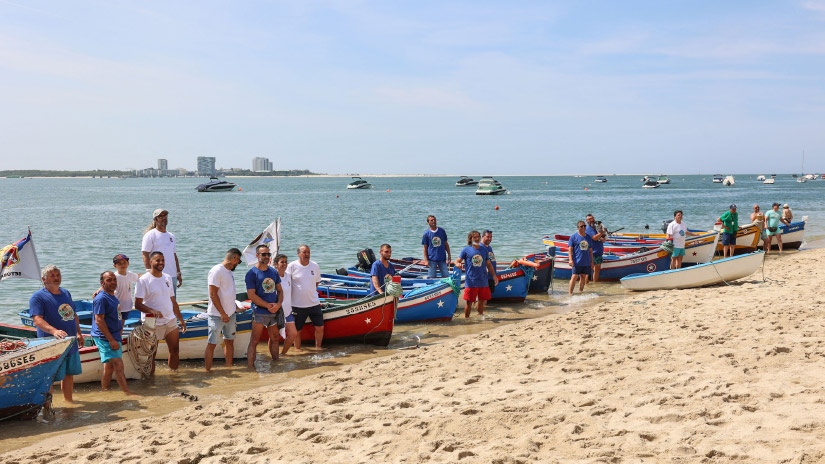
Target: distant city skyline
<point>427,87</point>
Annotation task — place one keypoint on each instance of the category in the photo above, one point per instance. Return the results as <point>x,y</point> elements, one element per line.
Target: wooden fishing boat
<point>27,369</point>
<point>432,302</point>
<point>700,275</point>
<point>793,235</point>
<point>698,248</point>
<point>542,264</point>
<point>89,355</point>
<point>614,267</point>
<point>747,237</point>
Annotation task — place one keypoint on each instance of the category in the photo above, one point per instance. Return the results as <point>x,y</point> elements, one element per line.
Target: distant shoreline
<point>372,176</point>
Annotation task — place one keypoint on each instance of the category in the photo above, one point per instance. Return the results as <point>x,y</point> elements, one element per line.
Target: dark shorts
<point>491,284</point>
<point>314,313</point>
<point>581,270</point>
<point>270,319</point>
<point>598,259</point>
<point>728,239</point>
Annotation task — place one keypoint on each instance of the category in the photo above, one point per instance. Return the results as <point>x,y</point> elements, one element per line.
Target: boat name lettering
<point>17,362</point>
<point>360,308</point>
<point>638,260</point>
<point>508,275</point>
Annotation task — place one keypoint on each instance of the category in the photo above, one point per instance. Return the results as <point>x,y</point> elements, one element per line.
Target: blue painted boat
<point>27,369</point>
<point>435,301</point>
<point>615,267</point>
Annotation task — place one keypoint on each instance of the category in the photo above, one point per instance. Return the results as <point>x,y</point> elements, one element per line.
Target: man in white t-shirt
<point>156,238</point>
<point>305,303</point>
<point>155,298</point>
<point>221,309</point>
<point>676,232</point>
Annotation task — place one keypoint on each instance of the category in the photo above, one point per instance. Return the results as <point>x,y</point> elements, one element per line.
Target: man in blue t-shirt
<point>486,240</point>
<point>476,270</point>
<point>597,236</point>
<point>53,313</point>
<point>107,327</point>
<point>579,256</point>
<point>263,285</point>
<point>436,249</point>
<point>382,271</point>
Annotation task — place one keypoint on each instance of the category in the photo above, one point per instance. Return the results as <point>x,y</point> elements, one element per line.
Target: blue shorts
<point>106,351</point>
<point>728,239</point>
<point>290,318</point>
<point>69,366</point>
<point>314,313</point>
<point>678,252</point>
<point>215,326</point>
<point>579,270</point>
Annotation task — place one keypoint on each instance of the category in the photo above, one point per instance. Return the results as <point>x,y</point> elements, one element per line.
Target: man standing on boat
<point>486,240</point>
<point>597,236</point>
<point>53,312</point>
<point>306,275</point>
<point>773,228</point>
<point>107,329</point>
<point>579,257</point>
<point>476,270</point>
<point>263,285</point>
<point>221,309</point>
<point>730,225</point>
<point>382,271</point>
<point>155,297</point>
<point>676,233</point>
<point>436,249</point>
<point>156,238</point>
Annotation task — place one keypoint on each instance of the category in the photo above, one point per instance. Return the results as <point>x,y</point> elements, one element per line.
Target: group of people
<point>771,224</point>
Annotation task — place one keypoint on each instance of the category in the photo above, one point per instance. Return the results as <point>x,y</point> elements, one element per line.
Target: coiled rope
<point>394,289</point>
<point>142,348</point>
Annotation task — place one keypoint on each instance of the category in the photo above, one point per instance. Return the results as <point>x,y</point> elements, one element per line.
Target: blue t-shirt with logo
<point>491,256</point>
<point>598,245</point>
<point>264,283</point>
<point>107,305</point>
<point>579,249</point>
<point>383,273</point>
<point>57,310</point>
<point>436,241</point>
<point>475,266</point>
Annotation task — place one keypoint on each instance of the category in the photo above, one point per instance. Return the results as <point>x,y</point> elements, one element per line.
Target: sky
<point>415,87</point>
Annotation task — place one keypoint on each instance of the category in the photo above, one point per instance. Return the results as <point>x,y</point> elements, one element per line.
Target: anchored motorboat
<point>465,181</point>
<point>489,186</point>
<point>359,183</point>
<point>600,179</point>
<point>650,184</point>
<point>718,178</point>
<point>216,185</point>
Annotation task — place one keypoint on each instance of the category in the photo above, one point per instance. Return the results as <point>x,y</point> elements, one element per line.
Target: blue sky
<point>438,87</point>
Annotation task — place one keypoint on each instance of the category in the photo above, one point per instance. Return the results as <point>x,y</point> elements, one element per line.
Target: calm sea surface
<point>80,224</point>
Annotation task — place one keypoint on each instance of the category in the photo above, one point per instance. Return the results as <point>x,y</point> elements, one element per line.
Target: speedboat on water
<point>650,184</point>
<point>760,178</point>
<point>729,180</point>
<point>600,179</point>
<point>359,183</point>
<point>663,179</point>
<point>769,181</point>
<point>489,186</point>
<point>465,181</point>
<point>216,185</point>
<point>718,178</point>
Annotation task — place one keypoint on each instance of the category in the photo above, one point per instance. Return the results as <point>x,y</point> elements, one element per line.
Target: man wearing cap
<point>773,224</point>
<point>125,284</point>
<point>156,238</point>
<point>730,225</point>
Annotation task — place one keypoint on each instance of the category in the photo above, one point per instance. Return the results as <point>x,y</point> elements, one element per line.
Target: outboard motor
<point>365,259</point>
<point>341,271</point>
<point>665,224</point>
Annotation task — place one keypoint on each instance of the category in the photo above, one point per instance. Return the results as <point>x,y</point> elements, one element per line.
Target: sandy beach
<point>728,373</point>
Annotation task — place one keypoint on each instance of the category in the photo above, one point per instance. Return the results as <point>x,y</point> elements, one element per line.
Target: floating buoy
<point>496,207</point>
<point>336,196</point>
<point>240,189</point>
<point>585,188</point>
<point>388,190</point>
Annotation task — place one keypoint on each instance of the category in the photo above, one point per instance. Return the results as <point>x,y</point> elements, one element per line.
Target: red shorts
<point>477,293</point>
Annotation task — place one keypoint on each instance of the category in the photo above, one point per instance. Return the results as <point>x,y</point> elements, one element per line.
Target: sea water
<point>80,224</point>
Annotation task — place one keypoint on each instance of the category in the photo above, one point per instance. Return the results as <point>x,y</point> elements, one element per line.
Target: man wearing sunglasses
<point>580,257</point>
<point>263,285</point>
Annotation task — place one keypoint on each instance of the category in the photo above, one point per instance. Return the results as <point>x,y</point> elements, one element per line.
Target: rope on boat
<point>11,345</point>
<point>394,289</point>
<point>142,348</point>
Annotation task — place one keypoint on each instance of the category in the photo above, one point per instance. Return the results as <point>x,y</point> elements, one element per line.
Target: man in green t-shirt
<point>730,225</point>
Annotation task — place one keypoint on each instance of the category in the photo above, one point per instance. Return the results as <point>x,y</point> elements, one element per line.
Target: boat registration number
<point>361,308</point>
<point>17,362</point>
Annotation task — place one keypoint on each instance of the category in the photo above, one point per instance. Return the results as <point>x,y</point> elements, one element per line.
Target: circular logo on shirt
<point>387,279</point>
<point>66,312</point>
<point>682,233</point>
<point>436,242</point>
<point>477,260</point>
<point>583,246</point>
<point>268,285</point>
<point>492,256</point>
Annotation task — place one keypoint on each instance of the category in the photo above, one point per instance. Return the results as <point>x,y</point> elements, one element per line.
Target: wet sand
<point>727,373</point>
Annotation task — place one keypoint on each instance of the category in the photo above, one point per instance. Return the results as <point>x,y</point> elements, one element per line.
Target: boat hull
<point>26,376</point>
<point>793,235</point>
<point>697,249</point>
<point>614,268</point>
<point>725,270</point>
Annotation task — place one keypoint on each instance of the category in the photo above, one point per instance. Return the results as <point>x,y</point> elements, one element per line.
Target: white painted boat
<point>729,180</point>
<point>700,275</point>
<point>93,368</point>
<point>793,235</point>
<point>760,178</point>
<point>193,343</point>
<point>769,181</point>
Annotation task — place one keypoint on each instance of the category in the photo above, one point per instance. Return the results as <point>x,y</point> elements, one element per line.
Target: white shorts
<point>162,330</point>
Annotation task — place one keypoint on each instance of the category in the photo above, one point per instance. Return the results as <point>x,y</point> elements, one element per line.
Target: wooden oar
<point>190,303</point>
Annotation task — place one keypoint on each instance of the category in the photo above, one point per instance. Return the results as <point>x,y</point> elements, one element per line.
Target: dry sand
<point>705,375</point>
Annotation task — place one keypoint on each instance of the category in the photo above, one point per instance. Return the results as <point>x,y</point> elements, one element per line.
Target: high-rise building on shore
<point>261,165</point>
<point>206,165</point>
<point>163,165</point>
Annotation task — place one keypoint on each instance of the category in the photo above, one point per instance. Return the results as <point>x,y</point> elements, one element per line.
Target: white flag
<point>270,236</point>
<point>19,260</point>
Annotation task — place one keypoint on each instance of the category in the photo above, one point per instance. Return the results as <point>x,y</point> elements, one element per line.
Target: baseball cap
<point>733,206</point>
<point>158,212</point>
<point>775,204</point>
<point>785,206</point>
<point>119,257</point>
